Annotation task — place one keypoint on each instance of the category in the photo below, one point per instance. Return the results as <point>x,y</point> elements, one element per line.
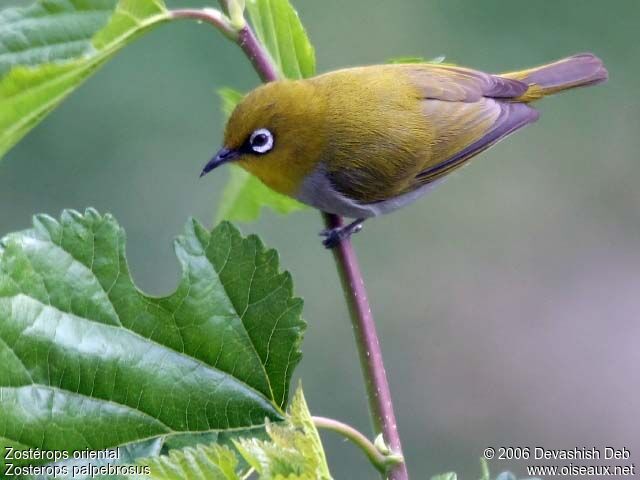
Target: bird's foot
<point>333,236</point>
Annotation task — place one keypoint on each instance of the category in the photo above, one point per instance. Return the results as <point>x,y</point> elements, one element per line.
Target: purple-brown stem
<point>209,15</point>
<point>257,54</point>
<point>245,38</point>
<point>371,361</point>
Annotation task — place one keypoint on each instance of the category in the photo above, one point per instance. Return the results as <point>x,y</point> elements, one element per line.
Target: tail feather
<point>577,71</point>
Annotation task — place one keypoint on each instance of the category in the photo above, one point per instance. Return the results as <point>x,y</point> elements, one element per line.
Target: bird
<point>364,141</point>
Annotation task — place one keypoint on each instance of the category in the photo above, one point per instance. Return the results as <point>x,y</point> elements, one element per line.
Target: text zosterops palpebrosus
<point>364,141</point>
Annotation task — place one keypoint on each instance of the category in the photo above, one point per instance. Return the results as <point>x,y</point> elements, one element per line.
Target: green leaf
<point>484,468</point>
<point>136,452</point>
<point>278,28</point>
<point>407,60</point>
<point>436,60</point>
<point>230,98</point>
<point>212,462</point>
<point>184,440</point>
<point>82,469</point>
<point>244,195</point>
<point>295,450</point>
<point>49,48</point>
<point>445,476</point>
<point>235,8</point>
<point>89,361</point>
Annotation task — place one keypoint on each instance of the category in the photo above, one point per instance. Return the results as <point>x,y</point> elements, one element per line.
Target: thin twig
<point>379,460</point>
<point>371,361</point>
<point>208,15</point>
<point>257,54</point>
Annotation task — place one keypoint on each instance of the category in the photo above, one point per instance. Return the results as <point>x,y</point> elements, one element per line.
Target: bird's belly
<point>316,190</point>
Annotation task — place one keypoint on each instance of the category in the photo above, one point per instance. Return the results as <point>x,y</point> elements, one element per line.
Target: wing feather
<point>430,119</point>
<point>460,141</point>
<point>455,84</point>
<point>468,111</point>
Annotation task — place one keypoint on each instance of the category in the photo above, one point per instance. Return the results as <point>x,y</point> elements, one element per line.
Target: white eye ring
<point>266,140</point>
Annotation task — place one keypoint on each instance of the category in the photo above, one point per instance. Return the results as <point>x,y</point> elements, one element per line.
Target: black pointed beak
<point>223,156</point>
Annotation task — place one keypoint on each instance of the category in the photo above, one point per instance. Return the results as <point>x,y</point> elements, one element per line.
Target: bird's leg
<point>333,236</point>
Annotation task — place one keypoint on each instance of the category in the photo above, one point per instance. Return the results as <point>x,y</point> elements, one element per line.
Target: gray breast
<point>316,190</point>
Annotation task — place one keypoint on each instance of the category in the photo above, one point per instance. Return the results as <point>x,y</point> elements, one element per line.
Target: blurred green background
<point>507,299</point>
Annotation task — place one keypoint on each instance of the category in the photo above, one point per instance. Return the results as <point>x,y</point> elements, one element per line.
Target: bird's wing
<point>464,130</point>
<point>457,84</point>
<point>429,119</point>
<point>467,111</point>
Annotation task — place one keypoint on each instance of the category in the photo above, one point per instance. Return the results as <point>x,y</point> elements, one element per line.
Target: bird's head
<point>277,133</point>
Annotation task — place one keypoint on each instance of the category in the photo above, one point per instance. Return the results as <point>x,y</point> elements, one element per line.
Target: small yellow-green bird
<point>364,141</point>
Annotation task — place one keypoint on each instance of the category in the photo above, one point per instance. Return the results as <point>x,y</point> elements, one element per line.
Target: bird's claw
<point>333,236</point>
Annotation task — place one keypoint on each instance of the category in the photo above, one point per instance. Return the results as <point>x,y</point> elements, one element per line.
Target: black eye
<point>261,141</point>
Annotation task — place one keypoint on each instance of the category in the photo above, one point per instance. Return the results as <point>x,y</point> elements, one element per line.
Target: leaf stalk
<point>382,461</point>
<point>208,15</point>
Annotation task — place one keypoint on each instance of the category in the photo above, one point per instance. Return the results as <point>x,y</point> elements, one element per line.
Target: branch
<point>257,54</point>
<point>209,15</point>
<point>244,37</point>
<point>382,461</point>
<point>371,361</point>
